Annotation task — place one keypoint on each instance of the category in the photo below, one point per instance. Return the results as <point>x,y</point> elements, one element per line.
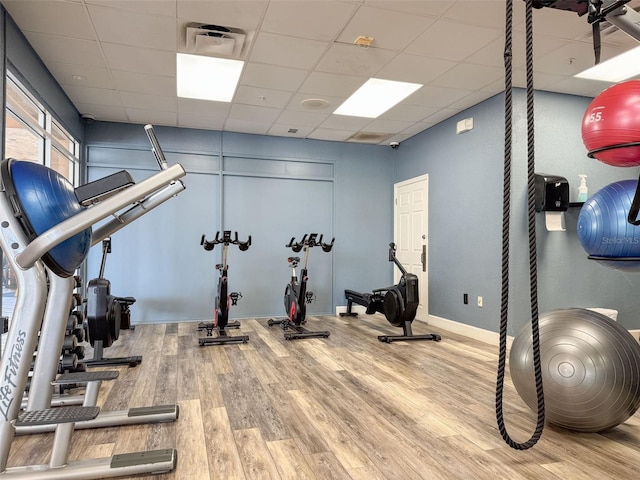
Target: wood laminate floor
<point>345,407</point>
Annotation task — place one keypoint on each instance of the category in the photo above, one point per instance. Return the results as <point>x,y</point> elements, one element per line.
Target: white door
<point>411,202</point>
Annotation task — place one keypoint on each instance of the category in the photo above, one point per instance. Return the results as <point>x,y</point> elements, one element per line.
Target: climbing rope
<point>506,209</point>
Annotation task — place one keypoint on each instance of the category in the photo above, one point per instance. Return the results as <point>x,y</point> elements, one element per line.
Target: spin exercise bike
<point>224,300</point>
<point>296,296</point>
<point>398,303</point>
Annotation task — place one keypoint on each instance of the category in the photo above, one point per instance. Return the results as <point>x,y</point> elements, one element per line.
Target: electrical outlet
<point>480,301</point>
<point>465,298</point>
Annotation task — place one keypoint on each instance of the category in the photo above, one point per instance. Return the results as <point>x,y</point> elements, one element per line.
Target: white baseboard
<point>486,336</point>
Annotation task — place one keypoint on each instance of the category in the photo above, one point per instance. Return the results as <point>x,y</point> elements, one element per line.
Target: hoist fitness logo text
<point>8,386</point>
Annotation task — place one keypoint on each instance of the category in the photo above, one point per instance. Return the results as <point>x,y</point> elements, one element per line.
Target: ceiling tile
<point>149,102</point>
<point>140,60</point>
<point>144,83</point>
<point>452,41</point>
<point>388,126</point>
<point>261,97</point>
<point>203,107</point>
<point>547,20</point>
<point>273,77</point>
<point>330,134</point>
<point>246,14</point>
<point>414,68</point>
<point>326,84</point>
<point>441,115</point>
<point>63,19</point>
<point>418,127</point>
<point>287,51</point>
<point>431,8</point>
<point>154,117</point>
<point>251,113</point>
<point>458,76</point>
<point>107,113</point>
<point>572,58</point>
<point>136,29</point>
<point>389,30</point>
<point>431,96</point>
<point>354,60</point>
<point>296,103</point>
<point>246,126</point>
<point>95,96</point>
<point>96,77</point>
<point>337,122</point>
<point>483,13</point>
<point>282,130</point>
<point>74,51</point>
<point>310,119</point>
<point>206,122</point>
<point>147,7</point>
<point>472,99</point>
<point>411,113</point>
<point>319,20</point>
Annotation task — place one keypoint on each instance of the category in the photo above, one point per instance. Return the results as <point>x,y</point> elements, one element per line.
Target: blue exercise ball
<point>603,229</point>
<point>45,199</point>
<point>590,369</point>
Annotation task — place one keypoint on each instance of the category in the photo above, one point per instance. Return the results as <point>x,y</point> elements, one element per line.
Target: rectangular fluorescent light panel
<point>207,78</point>
<point>375,97</point>
<point>615,69</point>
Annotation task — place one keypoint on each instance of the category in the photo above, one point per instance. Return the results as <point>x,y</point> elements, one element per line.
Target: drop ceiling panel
<point>325,84</point>
<point>436,96</point>
<point>144,83</point>
<point>415,68</point>
<point>310,119</point>
<point>143,101</point>
<point>261,97</point>
<point>97,77</point>
<point>452,41</point>
<point>252,113</point>
<point>287,51</point>
<point>74,51</point>
<point>107,113</point>
<point>204,107</point>
<point>155,117</point>
<point>135,29</point>
<point>148,7</point>
<point>245,14</point>
<point>312,20</point>
<point>458,76</point>
<point>64,19</point>
<point>388,126</point>
<point>140,60</point>
<point>96,96</point>
<point>205,122</point>
<point>354,60</point>
<point>272,77</point>
<point>298,50</point>
<point>390,30</point>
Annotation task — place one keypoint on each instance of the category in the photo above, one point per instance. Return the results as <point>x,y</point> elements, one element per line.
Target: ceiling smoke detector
<point>314,103</point>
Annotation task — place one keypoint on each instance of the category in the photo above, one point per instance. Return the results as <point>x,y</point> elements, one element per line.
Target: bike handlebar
<point>226,240</point>
<point>310,240</point>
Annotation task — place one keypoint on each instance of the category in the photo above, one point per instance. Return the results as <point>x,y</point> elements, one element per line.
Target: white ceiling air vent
<point>368,137</point>
<point>214,40</point>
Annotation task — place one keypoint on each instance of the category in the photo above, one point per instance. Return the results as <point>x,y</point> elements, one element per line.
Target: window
<point>31,133</point>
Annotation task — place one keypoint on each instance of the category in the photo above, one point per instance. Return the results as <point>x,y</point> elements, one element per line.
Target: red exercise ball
<point>612,119</point>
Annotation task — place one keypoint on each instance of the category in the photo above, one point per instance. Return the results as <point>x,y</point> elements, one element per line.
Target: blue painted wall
<point>465,218</point>
<point>271,188</point>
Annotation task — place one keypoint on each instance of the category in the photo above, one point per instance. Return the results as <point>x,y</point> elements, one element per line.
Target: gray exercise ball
<point>590,369</point>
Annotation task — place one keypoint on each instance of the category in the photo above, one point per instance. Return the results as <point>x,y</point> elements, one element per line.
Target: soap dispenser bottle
<point>582,189</point>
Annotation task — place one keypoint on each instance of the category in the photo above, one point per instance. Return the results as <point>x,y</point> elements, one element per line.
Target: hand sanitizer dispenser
<point>583,191</point>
